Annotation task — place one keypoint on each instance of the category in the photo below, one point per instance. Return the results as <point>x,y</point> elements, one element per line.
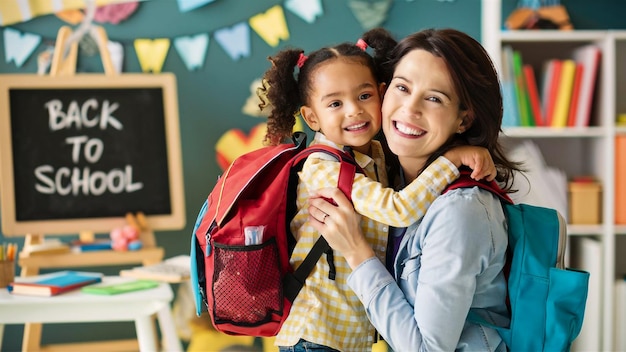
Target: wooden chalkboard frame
<point>165,81</point>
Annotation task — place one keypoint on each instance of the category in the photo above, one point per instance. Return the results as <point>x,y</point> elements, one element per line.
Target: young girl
<point>337,92</point>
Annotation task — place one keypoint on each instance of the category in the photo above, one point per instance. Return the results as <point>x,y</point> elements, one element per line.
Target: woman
<point>443,92</point>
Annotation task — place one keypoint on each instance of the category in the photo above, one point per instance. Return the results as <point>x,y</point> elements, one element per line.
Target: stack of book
<point>561,97</point>
<point>54,283</point>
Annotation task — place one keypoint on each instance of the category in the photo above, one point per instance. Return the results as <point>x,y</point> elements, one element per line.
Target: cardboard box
<point>585,202</point>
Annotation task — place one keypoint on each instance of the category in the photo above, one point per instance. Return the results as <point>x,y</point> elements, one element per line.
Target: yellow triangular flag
<point>151,53</point>
<point>271,25</point>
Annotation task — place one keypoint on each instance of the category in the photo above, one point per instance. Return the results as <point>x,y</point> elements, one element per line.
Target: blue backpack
<point>547,301</point>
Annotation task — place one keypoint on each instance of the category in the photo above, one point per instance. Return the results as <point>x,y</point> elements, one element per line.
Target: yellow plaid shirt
<point>327,312</point>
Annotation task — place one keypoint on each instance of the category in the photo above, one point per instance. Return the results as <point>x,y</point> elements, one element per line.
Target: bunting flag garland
<point>115,13</point>
<point>271,25</point>
<point>15,11</point>
<point>18,47</point>
<point>235,40</point>
<point>370,14</point>
<point>308,10</point>
<point>151,53</point>
<point>192,49</point>
<point>188,5</point>
<point>73,17</point>
<point>116,52</point>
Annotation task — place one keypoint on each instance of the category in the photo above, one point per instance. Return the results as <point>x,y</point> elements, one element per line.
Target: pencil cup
<point>7,272</point>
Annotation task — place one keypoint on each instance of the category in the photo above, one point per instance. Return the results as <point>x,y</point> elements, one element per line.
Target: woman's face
<point>420,108</point>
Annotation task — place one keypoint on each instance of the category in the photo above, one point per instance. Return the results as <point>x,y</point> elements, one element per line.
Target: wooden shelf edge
<point>95,258</point>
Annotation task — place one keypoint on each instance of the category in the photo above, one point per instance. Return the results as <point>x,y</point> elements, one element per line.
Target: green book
<point>123,287</point>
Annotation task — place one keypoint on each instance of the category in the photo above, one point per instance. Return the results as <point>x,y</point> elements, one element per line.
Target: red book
<point>55,283</point>
<point>533,94</point>
<point>573,106</point>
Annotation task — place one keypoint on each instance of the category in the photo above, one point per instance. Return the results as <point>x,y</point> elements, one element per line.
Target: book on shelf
<point>620,316</point>
<point>533,94</point>
<point>550,85</point>
<point>620,177</point>
<point>525,115</point>
<point>586,254</point>
<point>573,106</point>
<point>564,93</point>
<point>510,116</point>
<point>47,247</point>
<point>98,245</point>
<point>589,56</point>
<point>120,287</point>
<point>55,283</point>
<point>173,270</point>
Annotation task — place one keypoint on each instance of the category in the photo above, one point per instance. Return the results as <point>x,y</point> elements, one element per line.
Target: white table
<point>76,306</point>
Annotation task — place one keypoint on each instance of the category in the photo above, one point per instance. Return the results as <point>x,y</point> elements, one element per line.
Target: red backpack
<point>241,241</point>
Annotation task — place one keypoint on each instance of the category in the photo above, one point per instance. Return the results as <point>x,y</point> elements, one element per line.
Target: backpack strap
<point>465,181</point>
<point>292,283</point>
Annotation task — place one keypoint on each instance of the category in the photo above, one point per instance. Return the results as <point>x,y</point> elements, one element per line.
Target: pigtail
<point>280,93</point>
<point>382,42</point>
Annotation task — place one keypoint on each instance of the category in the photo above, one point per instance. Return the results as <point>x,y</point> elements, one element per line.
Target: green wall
<point>211,98</point>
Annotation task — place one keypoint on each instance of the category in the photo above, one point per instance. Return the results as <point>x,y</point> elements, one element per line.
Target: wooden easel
<point>65,65</point>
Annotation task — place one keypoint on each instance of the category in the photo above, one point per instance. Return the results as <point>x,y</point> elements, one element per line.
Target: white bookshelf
<point>579,151</point>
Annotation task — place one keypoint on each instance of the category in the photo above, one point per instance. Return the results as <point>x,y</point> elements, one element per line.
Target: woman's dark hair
<point>476,82</point>
<point>284,89</point>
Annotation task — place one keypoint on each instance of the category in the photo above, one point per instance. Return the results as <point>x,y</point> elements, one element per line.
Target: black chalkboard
<point>85,153</point>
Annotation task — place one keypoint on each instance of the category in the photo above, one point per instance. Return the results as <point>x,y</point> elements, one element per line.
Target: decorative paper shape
<point>116,52</point>
<point>152,53</point>
<point>192,49</point>
<point>88,45</point>
<point>251,107</point>
<point>71,16</point>
<point>14,11</point>
<point>235,40</point>
<point>271,25</point>
<point>188,5</point>
<point>370,14</point>
<point>235,143</point>
<point>44,59</point>
<point>115,13</point>
<point>18,47</point>
<point>308,10</point>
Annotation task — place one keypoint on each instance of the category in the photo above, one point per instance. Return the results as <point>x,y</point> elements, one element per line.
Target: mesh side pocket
<point>247,286</point>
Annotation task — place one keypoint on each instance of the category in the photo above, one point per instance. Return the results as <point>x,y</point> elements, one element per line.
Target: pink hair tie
<point>301,60</point>
<point>361,44</point>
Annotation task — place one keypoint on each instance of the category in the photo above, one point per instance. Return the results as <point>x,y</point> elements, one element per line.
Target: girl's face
<point>345,104</point>
<point>420,109</point>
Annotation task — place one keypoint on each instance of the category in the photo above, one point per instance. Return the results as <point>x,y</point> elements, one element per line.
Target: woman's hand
<point>340,225</point>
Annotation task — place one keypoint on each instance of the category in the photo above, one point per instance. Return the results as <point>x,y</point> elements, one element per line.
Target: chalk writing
<point>74,181</point>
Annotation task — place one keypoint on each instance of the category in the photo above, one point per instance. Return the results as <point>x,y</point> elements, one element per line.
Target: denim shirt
<point>448,263</point>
